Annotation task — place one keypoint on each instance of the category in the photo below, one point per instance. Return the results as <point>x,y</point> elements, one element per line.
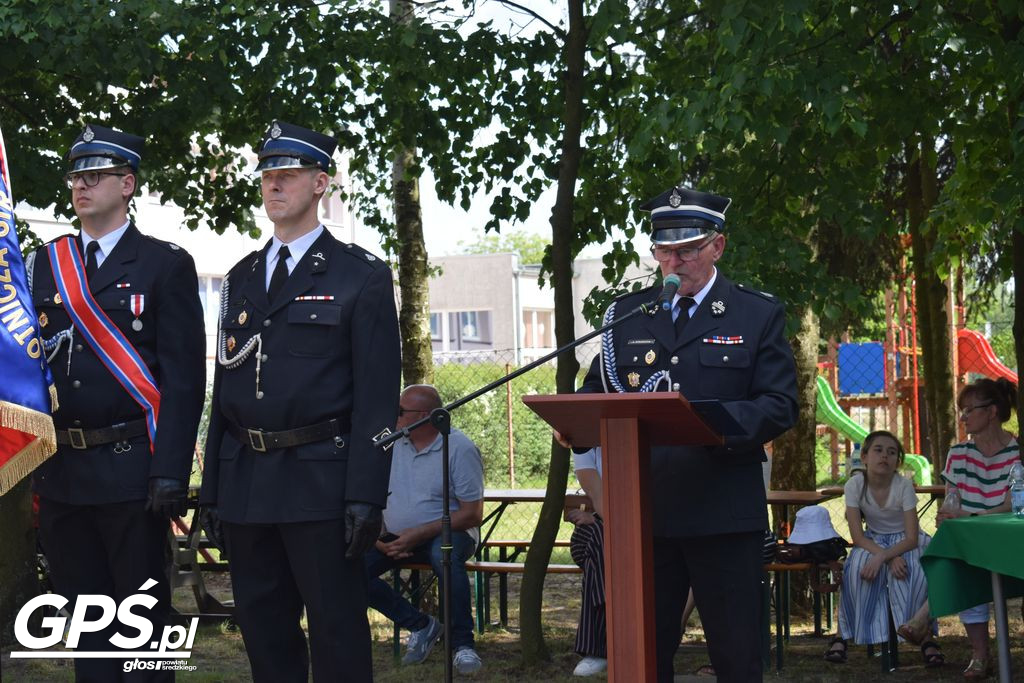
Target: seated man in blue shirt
<point>412,520</point>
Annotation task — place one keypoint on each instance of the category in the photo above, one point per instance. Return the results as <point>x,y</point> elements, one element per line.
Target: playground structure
<point>879,384</point>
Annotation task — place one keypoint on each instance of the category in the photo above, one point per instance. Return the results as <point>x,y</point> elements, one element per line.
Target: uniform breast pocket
<point>130,311</point>
<point>311,327</point>
<point>724,371</point>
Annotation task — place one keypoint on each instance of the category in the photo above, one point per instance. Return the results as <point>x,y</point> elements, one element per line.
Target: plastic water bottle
<point>856,464</point>
<point>1017,490</point>
<point>951,503</point>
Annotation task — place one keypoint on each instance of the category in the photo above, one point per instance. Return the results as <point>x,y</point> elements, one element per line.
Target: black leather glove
<point>363,522</point>
<point>209,521</point>
<point>167,497</point>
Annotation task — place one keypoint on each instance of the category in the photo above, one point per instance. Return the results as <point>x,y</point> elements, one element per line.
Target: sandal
<point>911,634</point>
<point>933,659</point>
<point>706,670</point>
<point>977,670</point>
<point>834,654</point>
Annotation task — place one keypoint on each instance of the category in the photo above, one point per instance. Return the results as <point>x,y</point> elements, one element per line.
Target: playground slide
<point>975,354</point>
<point>831,414</point>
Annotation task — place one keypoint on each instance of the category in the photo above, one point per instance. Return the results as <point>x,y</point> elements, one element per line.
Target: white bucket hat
<point>812,524</point>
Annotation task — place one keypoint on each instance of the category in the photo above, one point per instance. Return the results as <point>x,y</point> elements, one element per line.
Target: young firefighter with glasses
<point>123,332</point>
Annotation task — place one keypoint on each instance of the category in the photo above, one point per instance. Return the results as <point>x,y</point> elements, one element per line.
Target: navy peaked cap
<point>680,215</point>
<point>286,145</point>
<point>98,147</point>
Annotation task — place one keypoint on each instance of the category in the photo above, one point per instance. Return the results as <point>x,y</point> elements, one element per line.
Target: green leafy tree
<point>528,246</point>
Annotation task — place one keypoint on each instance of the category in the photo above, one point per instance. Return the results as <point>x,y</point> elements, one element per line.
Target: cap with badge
<point>682,215</point>
<point>98,147</point>
<point>286,145</point>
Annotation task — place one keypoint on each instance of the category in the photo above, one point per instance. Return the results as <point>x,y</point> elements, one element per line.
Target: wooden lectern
<point>626,426</point>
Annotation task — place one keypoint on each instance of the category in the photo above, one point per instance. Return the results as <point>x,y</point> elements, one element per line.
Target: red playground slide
<point>975,354</point>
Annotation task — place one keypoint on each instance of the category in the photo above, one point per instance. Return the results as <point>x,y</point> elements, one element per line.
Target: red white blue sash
<point>105,338</point>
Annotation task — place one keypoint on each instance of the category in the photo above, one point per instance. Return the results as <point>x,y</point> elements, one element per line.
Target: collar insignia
<point>718,308</point>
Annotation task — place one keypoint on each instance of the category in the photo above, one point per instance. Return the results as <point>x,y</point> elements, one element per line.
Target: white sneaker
<point>589,666</point>
<point>466,661</point>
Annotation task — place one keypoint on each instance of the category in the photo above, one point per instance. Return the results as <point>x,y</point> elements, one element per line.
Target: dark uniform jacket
<point>333,357</point>
<point>172,343</point>
<point>734,350</point>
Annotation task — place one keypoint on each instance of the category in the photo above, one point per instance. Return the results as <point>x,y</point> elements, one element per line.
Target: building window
<point>461,331</point>
<point>209,296</point>
<point>538,329</point>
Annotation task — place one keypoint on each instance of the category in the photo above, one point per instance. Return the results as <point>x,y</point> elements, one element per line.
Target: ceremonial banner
<point>27,394</point>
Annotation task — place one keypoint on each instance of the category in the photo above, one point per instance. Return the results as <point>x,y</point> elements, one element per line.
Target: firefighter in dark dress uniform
<point>122,464</point>
<point>308,374</point>
<point>725,342</point>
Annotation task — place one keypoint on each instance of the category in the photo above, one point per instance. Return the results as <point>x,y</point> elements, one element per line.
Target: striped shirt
<point>981,480</point>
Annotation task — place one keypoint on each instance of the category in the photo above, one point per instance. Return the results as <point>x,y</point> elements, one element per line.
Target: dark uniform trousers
<point>329,349</point>
<point>709,505</point>
<point>93,528</point>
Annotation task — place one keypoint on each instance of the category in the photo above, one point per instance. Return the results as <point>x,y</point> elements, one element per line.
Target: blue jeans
<point>387,601</point>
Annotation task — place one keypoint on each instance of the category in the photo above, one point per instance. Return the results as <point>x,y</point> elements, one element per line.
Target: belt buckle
<point>77,437</point>
<point>256,440</point>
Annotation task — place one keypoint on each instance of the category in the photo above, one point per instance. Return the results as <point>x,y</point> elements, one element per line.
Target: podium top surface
<point>665,417</point>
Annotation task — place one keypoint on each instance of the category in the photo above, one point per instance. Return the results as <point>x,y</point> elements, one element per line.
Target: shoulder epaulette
<point>757,292</point>
<point>163,243</point>
<point>360,254</point>
<point>58,237</point>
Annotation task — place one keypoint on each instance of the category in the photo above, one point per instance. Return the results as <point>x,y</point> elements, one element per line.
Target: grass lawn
<point>219,655</point>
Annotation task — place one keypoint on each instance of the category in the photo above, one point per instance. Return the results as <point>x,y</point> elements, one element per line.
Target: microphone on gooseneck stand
<point>668,292</point>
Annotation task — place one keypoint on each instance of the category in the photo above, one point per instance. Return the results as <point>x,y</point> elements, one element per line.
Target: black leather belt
<point>262,441</point>
<point>81,439</point>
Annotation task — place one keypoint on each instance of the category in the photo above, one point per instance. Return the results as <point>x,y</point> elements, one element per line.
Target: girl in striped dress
<point>883,571</point>
<point>979,469</point>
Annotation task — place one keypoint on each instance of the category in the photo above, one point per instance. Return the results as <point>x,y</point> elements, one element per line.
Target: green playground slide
<point>829,413</point>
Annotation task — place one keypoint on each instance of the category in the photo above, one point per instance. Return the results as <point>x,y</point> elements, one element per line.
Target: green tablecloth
<point>962,556</point>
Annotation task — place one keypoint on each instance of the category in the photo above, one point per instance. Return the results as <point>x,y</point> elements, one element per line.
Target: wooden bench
<point>782,572</point>
<point>484,569</point>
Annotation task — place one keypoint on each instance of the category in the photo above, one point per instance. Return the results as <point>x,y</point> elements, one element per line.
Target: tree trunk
<point>531,597</point>
<point>413,276</point>
<point>931,291</point>
<point>793,466</point>
<point>18,559</point>
<point>1018,314</point>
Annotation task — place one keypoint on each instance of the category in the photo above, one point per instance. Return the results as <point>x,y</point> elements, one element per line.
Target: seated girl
<point>883,571</point>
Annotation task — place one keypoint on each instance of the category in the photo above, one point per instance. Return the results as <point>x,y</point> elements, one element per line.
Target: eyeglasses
<point>967,411</point>
<point>403,411</point>
<point>663,254</point>
<point>90,178</point>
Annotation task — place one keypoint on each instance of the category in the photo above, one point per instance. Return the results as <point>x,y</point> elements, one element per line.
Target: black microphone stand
<point>441,419</point>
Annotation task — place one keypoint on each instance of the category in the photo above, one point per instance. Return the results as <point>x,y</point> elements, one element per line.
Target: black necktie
<point>90,259</point>
<point>683,305</point>
<point>280,273</point>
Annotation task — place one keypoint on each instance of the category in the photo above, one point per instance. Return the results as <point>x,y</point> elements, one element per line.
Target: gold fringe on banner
<point>21,464</point>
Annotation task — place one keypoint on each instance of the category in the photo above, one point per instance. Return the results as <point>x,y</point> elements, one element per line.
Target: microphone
<point>668,292</point>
